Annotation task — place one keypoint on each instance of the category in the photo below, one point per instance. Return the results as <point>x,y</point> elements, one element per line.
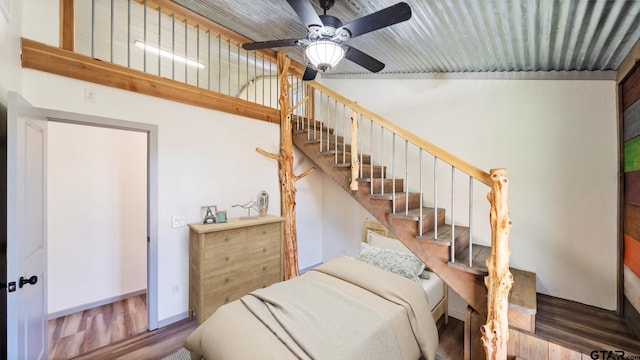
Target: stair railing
<point>384,151</point>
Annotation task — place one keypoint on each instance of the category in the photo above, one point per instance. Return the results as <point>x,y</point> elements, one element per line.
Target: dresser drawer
<point>224,238</point>
<point>256,232</point>
<point>234,284</point>
<point>251,252</point>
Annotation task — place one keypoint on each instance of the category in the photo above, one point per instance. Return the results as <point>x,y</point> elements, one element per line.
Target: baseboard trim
<point>173,319</point>
<point>94,304</point>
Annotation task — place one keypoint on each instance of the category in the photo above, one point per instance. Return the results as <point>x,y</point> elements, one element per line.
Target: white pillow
<point>377,240</point>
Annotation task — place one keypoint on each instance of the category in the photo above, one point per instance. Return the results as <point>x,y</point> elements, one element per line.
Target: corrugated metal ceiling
<point>457,36</point>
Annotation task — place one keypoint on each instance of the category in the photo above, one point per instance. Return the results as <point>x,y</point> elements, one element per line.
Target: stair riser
<point>377,185</point>
<point>412,226</point>
<point>364,160</point>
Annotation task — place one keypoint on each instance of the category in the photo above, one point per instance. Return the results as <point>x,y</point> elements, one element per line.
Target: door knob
<point>31,281</point>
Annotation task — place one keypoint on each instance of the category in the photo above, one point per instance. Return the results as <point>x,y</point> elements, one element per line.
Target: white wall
<point>558,141</point>
<point>97,214</point>
<point>10,70</point>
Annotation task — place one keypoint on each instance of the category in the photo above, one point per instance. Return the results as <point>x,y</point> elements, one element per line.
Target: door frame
<point>152,191</point>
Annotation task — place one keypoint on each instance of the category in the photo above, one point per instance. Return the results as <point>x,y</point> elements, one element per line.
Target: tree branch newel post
<point>287,179</point>
<point>285,172</point>
<point>495,333</point>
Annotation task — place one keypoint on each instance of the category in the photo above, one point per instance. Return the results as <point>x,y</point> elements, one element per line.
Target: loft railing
<point>161,38</point>
<point>441,179</point>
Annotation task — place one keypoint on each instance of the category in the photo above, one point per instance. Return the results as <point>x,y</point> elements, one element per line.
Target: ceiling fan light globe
<point>323,55</point>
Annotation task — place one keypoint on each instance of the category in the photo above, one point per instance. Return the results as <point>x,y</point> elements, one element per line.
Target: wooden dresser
<point>229,260</point>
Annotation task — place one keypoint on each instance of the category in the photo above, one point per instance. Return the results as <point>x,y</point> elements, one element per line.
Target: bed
<point>346,308</point>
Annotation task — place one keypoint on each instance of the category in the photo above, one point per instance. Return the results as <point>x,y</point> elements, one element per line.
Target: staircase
<point>445,249</point>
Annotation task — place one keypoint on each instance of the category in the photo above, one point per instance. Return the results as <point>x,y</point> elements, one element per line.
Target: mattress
<point>434,288</point>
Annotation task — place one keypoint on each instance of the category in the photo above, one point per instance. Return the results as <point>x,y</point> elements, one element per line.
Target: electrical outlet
<point>175,288</point>
<point>178,221</point>
<point>89,95</point>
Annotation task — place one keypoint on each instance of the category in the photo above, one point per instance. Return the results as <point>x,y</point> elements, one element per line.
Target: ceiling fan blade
<point>307,13</point>
<point>389,16</point>
<point>363,59</point>
<point>269,44</point>
<point>309,74</point>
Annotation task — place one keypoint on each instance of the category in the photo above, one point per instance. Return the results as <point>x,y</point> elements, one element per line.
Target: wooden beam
<point>42,57</point>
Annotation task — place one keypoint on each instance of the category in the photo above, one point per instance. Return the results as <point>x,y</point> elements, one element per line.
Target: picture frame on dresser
<point>221,216</point>
<point>208,214</point>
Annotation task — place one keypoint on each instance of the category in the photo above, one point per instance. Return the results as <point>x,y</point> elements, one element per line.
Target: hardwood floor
<point>119,331</point>
<point>157,344</point>
<point>85,331</point>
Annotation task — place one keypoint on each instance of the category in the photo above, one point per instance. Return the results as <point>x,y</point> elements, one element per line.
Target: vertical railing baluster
<point>393,172</point>
<point>382,160</point>
<point>219,64</point>
<point>406,177</point>
<point>255,77</point>
<point>208,59</point>
<point>186,50</point>
<point>420,220</point>
<point>470,221</point>
<point>144,36</point>
<point>335,132</point>
<point>453,216</point>
<point>93,29</point>
<point>228,66</point>
<point>239,87</point>
<point>360,126</point>
<point>371,154</point>
<point>128,33</point>
<point>112,33</point>
<point>159,39</point>
<point>263,102</point>
<point>198,55</point>
<point>173,46</point>
<point>345,132</point>
<point>435,198</point>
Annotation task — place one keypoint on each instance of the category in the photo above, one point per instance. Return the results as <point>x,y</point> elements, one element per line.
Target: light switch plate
<point>178,221</point>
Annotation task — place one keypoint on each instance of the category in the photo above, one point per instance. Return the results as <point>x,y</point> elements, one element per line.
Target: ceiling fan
<point>326,37</point>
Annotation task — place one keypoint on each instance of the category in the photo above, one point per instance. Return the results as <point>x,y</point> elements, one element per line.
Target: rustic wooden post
<point>286,175</point>
<point>495,333</point>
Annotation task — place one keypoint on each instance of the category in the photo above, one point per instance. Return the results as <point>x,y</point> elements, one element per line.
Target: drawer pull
<point>264,232</point>
<point>226,280</point>
<point>227,237</point>
<point>226,300</point>
<point>264,268</point>
<point>226,258</point>
<point>264,249</point>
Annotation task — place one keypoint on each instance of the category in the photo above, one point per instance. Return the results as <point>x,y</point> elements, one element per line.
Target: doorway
<point>148,135</point>
<point>96,206</point>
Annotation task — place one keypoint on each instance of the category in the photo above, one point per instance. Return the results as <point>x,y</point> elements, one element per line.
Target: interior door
<point>26,230</point>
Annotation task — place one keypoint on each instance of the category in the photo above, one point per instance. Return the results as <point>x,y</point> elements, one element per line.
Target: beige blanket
<point>316,321</point>
<point>233,332</point>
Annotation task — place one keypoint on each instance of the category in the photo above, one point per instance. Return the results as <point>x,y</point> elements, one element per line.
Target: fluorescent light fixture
<point>324,54</point>
<point>168,54</point>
